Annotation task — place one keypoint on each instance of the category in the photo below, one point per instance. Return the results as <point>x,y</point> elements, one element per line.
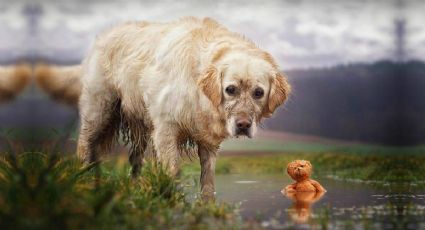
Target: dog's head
<point>247,87</point>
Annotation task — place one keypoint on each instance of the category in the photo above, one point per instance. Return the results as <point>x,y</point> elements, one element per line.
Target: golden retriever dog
<point>13,80</point>
<point>169,84</point>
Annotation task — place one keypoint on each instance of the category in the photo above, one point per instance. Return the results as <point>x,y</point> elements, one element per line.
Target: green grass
<point>270,145</point>
<point>38,191</point>
<point>381,167</point>
<point>349,161</point>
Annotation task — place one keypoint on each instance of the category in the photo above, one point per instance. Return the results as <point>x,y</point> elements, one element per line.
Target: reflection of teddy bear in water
<point>301,208</point>
<point>300,171</point>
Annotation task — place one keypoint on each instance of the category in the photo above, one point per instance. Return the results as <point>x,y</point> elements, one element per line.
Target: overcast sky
<point>296,33</point>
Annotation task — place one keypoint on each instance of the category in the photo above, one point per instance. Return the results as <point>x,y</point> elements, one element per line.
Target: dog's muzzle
<point>243,126</point>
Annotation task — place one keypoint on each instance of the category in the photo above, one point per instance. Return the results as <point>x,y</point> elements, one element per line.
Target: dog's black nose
<point>243,124</point>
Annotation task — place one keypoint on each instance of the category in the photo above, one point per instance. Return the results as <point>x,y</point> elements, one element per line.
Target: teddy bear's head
<point>299,170</point>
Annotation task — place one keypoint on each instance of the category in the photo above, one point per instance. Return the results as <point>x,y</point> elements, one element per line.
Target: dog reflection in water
<point>13,79</point>
<point>301,209</point>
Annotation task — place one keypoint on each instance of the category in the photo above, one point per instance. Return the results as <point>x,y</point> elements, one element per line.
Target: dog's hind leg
<point>99,124</point>
<point>136,156</point>
<point>137,134</point>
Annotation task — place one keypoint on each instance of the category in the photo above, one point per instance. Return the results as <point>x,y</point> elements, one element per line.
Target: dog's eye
<point>231,90</point>
<point>258,93</point>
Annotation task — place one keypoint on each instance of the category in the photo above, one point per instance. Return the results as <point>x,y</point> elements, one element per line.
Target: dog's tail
<point>62,83</point>
<point>13,80</point>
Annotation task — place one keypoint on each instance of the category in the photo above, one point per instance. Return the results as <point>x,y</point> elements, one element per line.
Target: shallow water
<point>356,205</point>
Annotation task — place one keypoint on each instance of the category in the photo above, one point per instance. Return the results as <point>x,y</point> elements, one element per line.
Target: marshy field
<point>368,187</point>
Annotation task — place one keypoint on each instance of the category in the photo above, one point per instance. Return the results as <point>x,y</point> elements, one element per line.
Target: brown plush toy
<point>300,171</point>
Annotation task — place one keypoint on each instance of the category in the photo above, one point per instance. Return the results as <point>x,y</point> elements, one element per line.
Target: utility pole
<point>400,33</point>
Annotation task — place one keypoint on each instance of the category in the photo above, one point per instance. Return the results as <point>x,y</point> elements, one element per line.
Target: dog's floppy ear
<point>279,92</point>
<point>210,85</point>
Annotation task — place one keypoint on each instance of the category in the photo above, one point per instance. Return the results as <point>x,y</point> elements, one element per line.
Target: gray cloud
<point>297,33</point>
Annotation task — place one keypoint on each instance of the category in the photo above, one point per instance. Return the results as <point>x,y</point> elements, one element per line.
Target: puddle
<point>354,205</point>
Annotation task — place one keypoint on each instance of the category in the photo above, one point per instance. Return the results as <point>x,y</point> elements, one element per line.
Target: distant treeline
<point>381,102</point>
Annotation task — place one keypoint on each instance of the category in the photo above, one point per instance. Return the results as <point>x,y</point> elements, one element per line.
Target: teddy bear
<point>300,171</point>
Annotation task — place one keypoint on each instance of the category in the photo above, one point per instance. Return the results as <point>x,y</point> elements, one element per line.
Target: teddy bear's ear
<point>309,164</point>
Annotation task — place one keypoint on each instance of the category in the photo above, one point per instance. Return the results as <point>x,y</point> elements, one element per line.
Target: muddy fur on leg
<point>135,133</point>
<point>207,158</point>
<point>92,143</point>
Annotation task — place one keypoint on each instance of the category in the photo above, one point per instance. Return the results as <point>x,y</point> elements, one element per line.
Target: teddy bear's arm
<point>319,188</point>
<point>290,188</point>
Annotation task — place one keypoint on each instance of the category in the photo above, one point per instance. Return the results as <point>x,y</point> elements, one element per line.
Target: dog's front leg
<point>207,157</point>
<point>166,147</point>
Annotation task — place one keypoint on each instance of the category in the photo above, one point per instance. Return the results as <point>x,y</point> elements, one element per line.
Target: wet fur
<point>161,86</point>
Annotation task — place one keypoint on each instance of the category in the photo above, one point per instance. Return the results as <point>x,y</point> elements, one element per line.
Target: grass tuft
<point>40,191</point>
